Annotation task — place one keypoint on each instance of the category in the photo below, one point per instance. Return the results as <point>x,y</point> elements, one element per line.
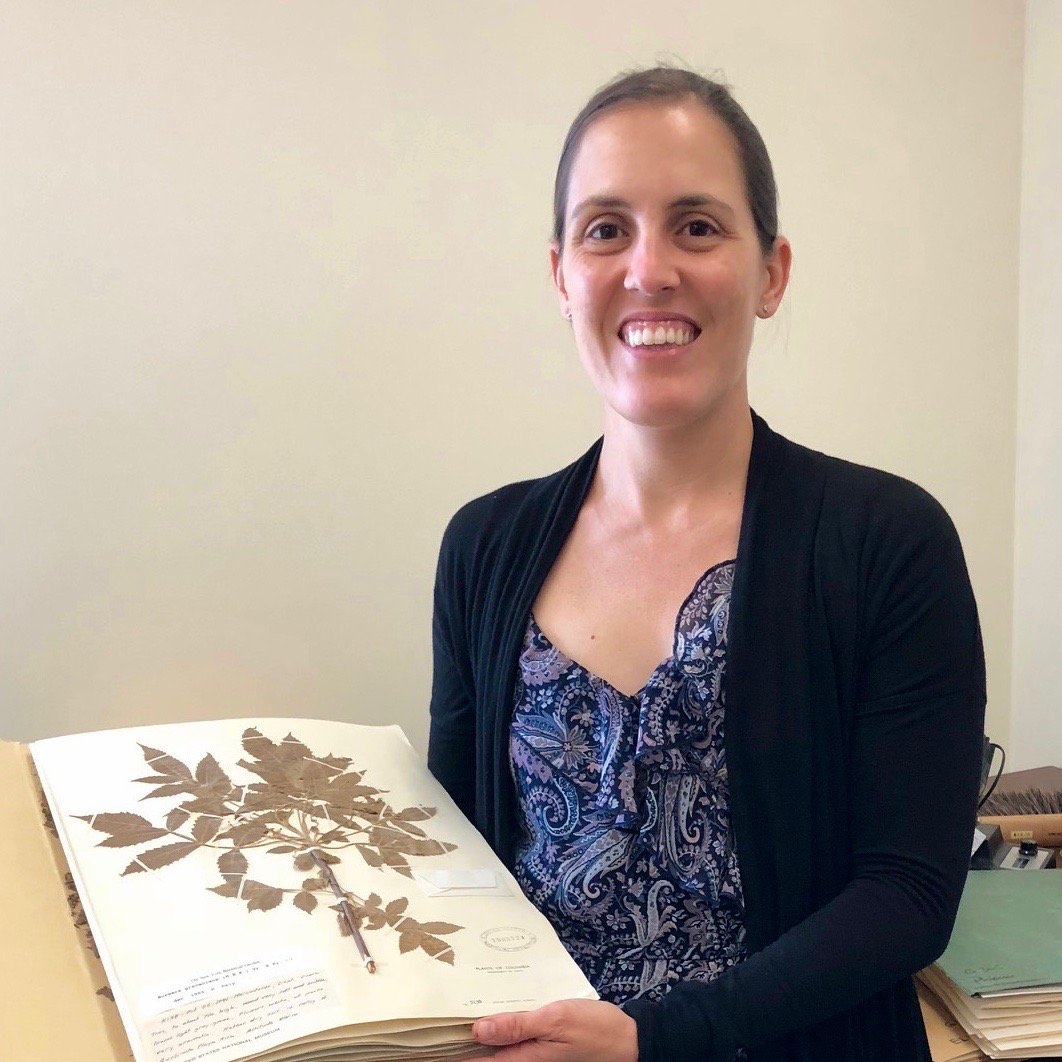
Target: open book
<point>285,890</point>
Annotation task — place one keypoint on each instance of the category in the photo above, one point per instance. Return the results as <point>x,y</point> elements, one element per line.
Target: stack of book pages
<point>1001,974</point>
<point>275,890</point>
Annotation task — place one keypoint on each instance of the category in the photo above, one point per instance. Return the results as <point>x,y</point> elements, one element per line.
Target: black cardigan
<point>855,700</point>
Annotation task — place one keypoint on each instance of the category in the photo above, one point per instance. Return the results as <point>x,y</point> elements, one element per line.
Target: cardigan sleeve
<point>914,755</point>
<point>452,730</point>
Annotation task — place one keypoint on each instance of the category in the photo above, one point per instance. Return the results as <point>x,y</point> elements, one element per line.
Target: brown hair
<point>661,84</point>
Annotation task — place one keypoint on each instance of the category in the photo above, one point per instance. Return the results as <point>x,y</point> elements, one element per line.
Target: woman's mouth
<point>670,333</point>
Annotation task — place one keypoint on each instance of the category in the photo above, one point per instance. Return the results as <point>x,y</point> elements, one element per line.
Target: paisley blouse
<point>625,825</point>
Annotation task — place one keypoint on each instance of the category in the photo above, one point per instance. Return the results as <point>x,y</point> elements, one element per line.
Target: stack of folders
<point>948,1040</point>
<point>1001,975</point>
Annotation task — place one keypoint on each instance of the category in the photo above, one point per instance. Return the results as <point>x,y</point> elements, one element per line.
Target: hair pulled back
<point>662,84</point>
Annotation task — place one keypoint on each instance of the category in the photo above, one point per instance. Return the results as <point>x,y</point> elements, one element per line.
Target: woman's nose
<point>651,268</point>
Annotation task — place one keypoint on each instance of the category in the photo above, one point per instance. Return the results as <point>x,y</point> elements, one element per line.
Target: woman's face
<point>661,269</point>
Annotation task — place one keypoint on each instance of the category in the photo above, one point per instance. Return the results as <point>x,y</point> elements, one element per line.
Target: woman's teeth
<point>652,335</point>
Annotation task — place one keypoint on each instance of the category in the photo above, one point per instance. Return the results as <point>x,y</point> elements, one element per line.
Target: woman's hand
<point>573,1030</point>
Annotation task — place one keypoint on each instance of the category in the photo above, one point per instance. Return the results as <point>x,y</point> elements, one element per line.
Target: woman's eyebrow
<point>697,202</point>
<point>685,202</point>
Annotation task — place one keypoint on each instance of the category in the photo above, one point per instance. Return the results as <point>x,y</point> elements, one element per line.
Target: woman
<point>751,845</point>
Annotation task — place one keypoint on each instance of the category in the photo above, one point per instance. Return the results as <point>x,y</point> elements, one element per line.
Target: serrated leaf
<point>246,833</point>
<point>133,868</point>
<point>437,949</point>
<point>163,763</point>
<point>327,857</point>
<point>374,900</point>
<point>414,814</point>
<point>155,858</point>
<point>176,819</point>
<point>169,790</point>
<point>125,829</point>
<point>439,927</point>
<point>207,803</point>
<point>314,885</point>
<point>234,862</point>
<point>396,907</point>
<point>209,772</point>
<point>205,828</point>
<point>261,897</point>
<point>370,855</point>
<point>387,839</point>
<point>407,942</point>
<point>230,889</point>
<point>304,861</point>
<point>374,919</point>
<point>305,901</point>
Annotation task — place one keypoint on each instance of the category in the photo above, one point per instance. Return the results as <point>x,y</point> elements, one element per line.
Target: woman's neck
<point>654,476</point>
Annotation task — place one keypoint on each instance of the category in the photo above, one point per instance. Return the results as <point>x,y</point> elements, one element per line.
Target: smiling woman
<point>674,680</point>
<point>660,266</point>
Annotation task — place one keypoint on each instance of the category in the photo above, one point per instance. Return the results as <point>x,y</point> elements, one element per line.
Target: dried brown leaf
<point>246,833</point>
<point>305,901</point>
<point>281,849</point>
<point>387,839</point>
<point>176,819</point>
<point>304,861</point>
<point>155,858</point>
<point>439,927</point>
<point>169,790</point>
<point>437,949</point>
<point>414,814</point>
<point>261,897</point>
<point>229,889</point>
<point>396,908</point>
<point>208,802</point>
<point>370,855</point>
<point>205,828</point>
<point>233,862</point>
<point>124,827</point>
<point>165,764</point>
<point>209,772</point>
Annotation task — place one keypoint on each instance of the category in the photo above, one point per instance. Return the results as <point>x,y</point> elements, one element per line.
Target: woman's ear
<point>777,264</point>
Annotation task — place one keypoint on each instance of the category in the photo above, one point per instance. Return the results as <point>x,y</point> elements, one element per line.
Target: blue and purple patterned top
<point>625,842</point>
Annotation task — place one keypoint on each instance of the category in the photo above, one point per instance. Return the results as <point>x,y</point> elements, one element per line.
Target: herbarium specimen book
<point>277,890</point>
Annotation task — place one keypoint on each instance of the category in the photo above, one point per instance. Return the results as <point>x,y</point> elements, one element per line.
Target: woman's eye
<point>605,230</point>
<point>700,227</point>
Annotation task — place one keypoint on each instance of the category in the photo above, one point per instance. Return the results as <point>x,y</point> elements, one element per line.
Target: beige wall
<point>1036,732</point>
<point>274,302</point>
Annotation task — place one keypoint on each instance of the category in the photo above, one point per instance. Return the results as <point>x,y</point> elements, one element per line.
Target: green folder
<point>1008,932</point>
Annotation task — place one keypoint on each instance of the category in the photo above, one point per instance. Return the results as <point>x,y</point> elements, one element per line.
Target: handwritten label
<point>230,1025</point>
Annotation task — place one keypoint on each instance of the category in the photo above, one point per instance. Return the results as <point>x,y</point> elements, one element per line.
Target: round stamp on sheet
<point>508,938</point>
